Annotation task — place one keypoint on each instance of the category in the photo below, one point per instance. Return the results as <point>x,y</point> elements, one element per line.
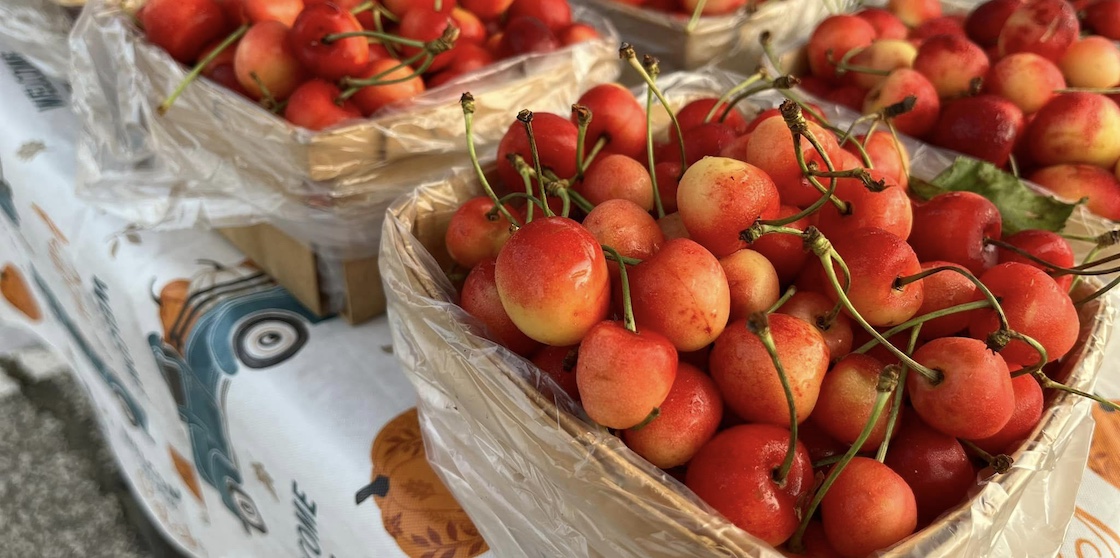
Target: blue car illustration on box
<point>132,410</point>
<point>222,321</point>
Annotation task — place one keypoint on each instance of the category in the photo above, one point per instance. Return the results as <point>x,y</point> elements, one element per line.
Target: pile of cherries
<point>694,8</point>
<point>1023,84</point>
<point>320,63</point>
<point>758,307</point>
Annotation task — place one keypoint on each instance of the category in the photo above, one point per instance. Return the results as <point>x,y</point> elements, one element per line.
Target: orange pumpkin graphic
<point>186,472</point>
<point>417,510</point>
<point>1104,455</point>
<point>15,290</point>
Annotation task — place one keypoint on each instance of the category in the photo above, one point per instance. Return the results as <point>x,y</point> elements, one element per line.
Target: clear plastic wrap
<point>37,29</point>
<point>730,41</point>
<point>538,479</point>
<point>216,159</point>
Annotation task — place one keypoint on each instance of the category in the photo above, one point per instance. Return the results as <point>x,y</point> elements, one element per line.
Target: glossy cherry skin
<point>266,53</point>
<point>330,61</point>
<point>985,127</point>
<point>785,251</point>
<point>813,308</point>
<point>942,290</point>
<point>734,473</point>
<point>689,417</point>
<point>373,98</point>
<point>953,226</point>
<point>616,116</point>
<point>876,259</point>
<point>984,23</point>
<point>553,280</point>
<point>313,106</point>
<point>933,463</point>
<point>847,398</point>
<point>889,210</point>
<point>837,35</point>
<point>753,282</point>
<point>868,508</point>
<point>974,399</point>
<point>1045,245</point>
<point>480,299</point>
<point>718,198</point>
<point>1035,306</point>
<point>183,27</point>
<point>559,363</point>
<point>556,139</point>
<point>1028,412</point>
<point>421,24</point>
<point>624,375</point>
<point>1044,27</point>
<point>772,150</point>
<point>473,236</point>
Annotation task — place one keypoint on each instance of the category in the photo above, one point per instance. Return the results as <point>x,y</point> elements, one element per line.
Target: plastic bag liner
<point>216,159</point>
<point>37,29</point>
<point>729,41</point>
<point>539,479</point>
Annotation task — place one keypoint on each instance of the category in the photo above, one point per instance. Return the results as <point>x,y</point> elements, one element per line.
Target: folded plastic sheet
<point>729,41</point>
<point>217,160</point>
<point>37,29</point>
<point>539,479</point>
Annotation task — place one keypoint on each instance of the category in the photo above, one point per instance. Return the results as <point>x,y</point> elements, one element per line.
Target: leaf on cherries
<point>1020,206</point>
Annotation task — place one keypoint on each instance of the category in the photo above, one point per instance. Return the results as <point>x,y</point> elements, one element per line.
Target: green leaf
<point>1020,207</point>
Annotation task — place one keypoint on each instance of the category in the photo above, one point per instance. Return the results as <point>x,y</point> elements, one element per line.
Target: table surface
<point>245,425</point>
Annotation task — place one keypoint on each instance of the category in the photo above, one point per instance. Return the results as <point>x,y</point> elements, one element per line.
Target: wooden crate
<point>296,266</point>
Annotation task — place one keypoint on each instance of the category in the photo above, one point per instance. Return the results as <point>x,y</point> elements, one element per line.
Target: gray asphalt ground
<point>61,494</point>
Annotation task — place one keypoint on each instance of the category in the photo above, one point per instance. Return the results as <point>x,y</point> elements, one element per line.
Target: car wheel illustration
<point>246,508</point>
<point>268,339</point>
<point>128,414</point>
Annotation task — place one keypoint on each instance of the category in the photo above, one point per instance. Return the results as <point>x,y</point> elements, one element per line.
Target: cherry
<point>985,126</point>
<point>1075,128</point>
<point>953,227</point>
<point>526,35</point>
<point>974,398</point>
<point>421,24</point>
<point>668,175</point>
<point>672,226</point>
<point>771,149</point>
<point>752,281</point>
<point>577,33</point>
<point>223,58</point>
<point>553,281</point>
<point>480,299</point>
<point>284,11</point>
<point>373,98</point>
<point>915,12</point>
<point>943,290</point>
<point>695,112</point>
<point>1076,181</point>
<point>466,58</point>
<point>1035,306</point>
<point>486,10</point>
<point>401,7</point>
<point>334,60</point>
<point>951,62</point>
<point>869,507</point>
<point>933,463</point>
<point>681,292</point>
<point>689,417</point>
<point>559,363</point>
<point>1028,412</point>
<point>614,176</point>
<point>748,380</point>
<point>1103,16</point>
<point>1026,79</point>
<point>847,398</point>
<point>900,84</point>
<point>985,22</point>
<point>883,56</point>
<point>876,260</point>
<point>1044,27</point>
<point>471,28</point>
<point>555,14</point>
<point>616,116</point>
<point>623,375</point>
<point>313,106</point>
<point>888,210</point>
<point>556,139</point>
<point>816,309</point>
<point>734,473</point>
<point>888,156</point>
<point>887,25</point>
<point>474,235</point>
<point>785,252</point>
<point>945,25</point>
<point>718,198</point>
<point>1045,245</point>
<point>183,27</point>
<point>819,444</point>
<point>265,55</point>
<point>706,140</point>
<point>833,38</point>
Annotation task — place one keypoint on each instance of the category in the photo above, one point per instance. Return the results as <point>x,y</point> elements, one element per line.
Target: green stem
<point>1088,259</point>
<point>1111,284</point>
<point>919,320</point>
<point>1097,90</point>
<point>627,306</point>
<point>991,298</point>
<point>583,120</point>
<point>627,52</point>
<point>896,404</point>
<point>1043,357</point>
<point>658,204</point>
<point>199,67</point>
<point>466,101</point>
<point>595,150</point>
<point>1056,270</point>
<point>380,36</point>
<point>792,290</point>
<point>695,19</point>
<point>1001,463</point>
<point>761,74</point>
<point>759,325</point>
<point>1047,383</point>
<point>526,118</point>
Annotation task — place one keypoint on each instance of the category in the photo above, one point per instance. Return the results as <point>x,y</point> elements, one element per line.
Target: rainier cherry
<point>942,290</point>
<point>1074,182</point>
<point>559,363</point>
<point>1044,27</point>
<point>877,260</point>
<point>1035,306</point>
<point>373,98</point>
<point>313,106</point>
<point>265,55</point>
<point>479,297</point>
<point>474,235</point>
<point>624,375</point>
<point>1076,128</point>
<point>868,507</point>
<point>753,282</point>
<point>1028,411</point>
<point>617,118</point>
<point>1045,245</point>
<point>183,27</point>
<point>954,226</point>
<point>334,60</point>
<point>689,417</point>
<point>933,463</point>
<point>816,309</point>
<point>847,398</point>
<point>718,198</point>
<point>973,399</point>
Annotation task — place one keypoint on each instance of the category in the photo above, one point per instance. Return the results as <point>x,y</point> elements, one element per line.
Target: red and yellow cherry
<point>953,227</point>
<point>771,149</point>
<point>888,156</point>
<point>1044,27</point>
<point>265,55</point>
<point>847,398</point>
<point>313,106</point>
<point>734,473</point>
<point>401,7</point>
<point>689,417</point>
<point>1048,246</point>
<point>559,363</point>
<point>479,297</point>
<point>984,23</point>
<point>695,112</point>
<point>555,14</point>
<point>718,198</point>
<point>1028,412</point>
<point>815,308</point>
<point>553,281</point>
<point>869,507</point>
<point>745,373</point>
<point>834,37</point>
<point>183,27</point>
<point>1076,128</point>
<point>887,25</point>
<point>577,33</point>
<point>973,399</point>
<point>626,227</point>
<point>616,116</point>
<point>334,60</point>
<point>624,376</point>
<point>899,85</point>
<point>486,10</point>
<point>915,12</point>
<point>682,293</point>
<point>421,24</point>
<point>617,177</point>
<point>883,55</point>
<point>888,209</point>
<point>373,98</point>
<point>1026,79</point>
<point>1035,306</point>
<point>876,260</point>
<point>933,463</point>
<point>985,126</point>
<point>951,62</point>
<point>672,227</point>
<point>1092,62</point>
<point>556,139</point>
<point>284,11</point>
<point>474,235</point>
<point>1074,182</point>
<point>942,290</point>
<point>752,281</point>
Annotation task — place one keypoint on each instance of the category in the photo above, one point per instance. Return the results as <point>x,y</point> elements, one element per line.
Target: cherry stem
<point>565,200</point>
<point>843,67</point>
<point>658,204</point>
<point>525,172</point>
<point>1001,463</point>
<point>792,290</point>
<point>1014,164</point>
<point>199,67</point>
<point>695,19</point>
<point>467,102</point>
<point>782,82</point>
<point>902,162</point>
<point>526,118</point>
<point>1111,284</point>
<point>759,324</point>
<point>765,40</point>
<point>596,149</point>
<point>825,462</point>
<point>888,380</point>
<point>518,195</point>
<point>900,282</point>
<point>919,320</point>
<point>896,404</point>
<point>623,259</point>
<point>761,74</point>
<point>656,412</point>
<point>627,306</point>
<point>1048,383</point>
<point>1098,90</point>
<point>1043,357</point>
<point>873,118</point>
<point>799,127</point>
<point>1088,259</point>
<point>1055,270</point>
<point>379,35</point>
<point>627,52</point>
<point>1102,240</point>
<point>583,120</point>
<point>353,85</point>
